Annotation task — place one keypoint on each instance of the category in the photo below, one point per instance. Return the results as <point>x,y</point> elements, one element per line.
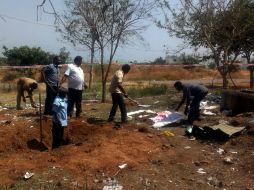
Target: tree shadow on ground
<point>97,121</point>
<point>36,145</point>
<point>30,114</point>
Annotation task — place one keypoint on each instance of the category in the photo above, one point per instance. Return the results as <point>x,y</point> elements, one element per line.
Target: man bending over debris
<point>25,84</point>
<point>196,93</point>
<point>117,92</point>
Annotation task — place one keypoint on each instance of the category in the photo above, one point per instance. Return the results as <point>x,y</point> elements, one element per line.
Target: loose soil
<point>94,149</point>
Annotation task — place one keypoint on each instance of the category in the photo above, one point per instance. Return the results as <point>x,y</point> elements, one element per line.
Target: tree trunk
<point>225,80</point>
<point>103,82</point>
<point>91,66</point>
<point>225,69</point>
<point>251,68</point>
<point>251,77</point>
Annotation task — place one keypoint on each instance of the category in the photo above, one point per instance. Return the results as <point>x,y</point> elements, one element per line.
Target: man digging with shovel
<point>118,93</point>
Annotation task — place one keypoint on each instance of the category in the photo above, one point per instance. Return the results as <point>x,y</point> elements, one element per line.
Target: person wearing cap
<point>118,93</point>
<point>28,85</point>
<point>76,84</point>
<point>193,94</point>
<point>50,76</point>
<point>59,119</point>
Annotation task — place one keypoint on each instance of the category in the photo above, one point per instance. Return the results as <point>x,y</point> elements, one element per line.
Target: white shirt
<point>75,76</point>
<point>116,80</point>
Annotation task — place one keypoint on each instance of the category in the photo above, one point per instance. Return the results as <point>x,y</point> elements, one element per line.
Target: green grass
<point>153,90</point>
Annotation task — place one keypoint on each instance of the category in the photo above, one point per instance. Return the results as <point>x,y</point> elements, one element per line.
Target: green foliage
<point>25,55</point>
<point>3,61</point>
<point>189,59</point>
<point>153,90</point>
<point>64,55</point>
<point>222,26</point>
<point>159,61</point>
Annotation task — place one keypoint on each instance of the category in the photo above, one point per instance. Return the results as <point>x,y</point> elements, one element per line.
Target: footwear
<point>110,119</point>
<point>126,120</point>
<point>117,126</point>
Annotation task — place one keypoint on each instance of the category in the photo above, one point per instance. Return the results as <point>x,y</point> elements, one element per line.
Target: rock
<point>213,181</point>
<point>228,160</point>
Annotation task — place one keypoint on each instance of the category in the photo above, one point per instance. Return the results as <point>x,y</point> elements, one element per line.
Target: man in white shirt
<point>117,92</point>
<point>76,84</point>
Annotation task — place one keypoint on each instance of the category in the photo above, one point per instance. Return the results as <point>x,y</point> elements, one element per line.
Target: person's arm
<point>44,73</point>
<point>66,75</point>
<point>63,79</point>
<point>181,102</point>
<point>23,95</point>
<point>30,95</point>
<point>120,86</point>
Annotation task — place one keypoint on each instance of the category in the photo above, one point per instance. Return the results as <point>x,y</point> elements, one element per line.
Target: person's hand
<point>126,95</point>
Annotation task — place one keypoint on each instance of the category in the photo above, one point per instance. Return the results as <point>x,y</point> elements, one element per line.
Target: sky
<point>19,26</point>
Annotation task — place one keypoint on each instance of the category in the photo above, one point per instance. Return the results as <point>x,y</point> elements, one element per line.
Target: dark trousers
<point>74,97</point>
<point>117,100</point>
<point>51,93</point>
<point>57,135</point>
<point>194,107</point>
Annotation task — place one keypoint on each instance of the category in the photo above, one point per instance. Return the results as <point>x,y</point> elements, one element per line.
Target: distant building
<point>172,59</point>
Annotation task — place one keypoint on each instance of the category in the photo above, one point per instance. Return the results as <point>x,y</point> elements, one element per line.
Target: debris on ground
<point>28,175</point>
<point>165,118</point>
<point>112,184</point>
<point>220,131</point>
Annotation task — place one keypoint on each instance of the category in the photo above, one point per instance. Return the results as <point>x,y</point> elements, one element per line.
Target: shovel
<point>138,104</point>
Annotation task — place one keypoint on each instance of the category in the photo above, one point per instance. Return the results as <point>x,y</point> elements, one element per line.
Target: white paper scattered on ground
<point>204,105</point>
<point>206,109</point>
<point>122,166</point>
<point>28,175</point>
<point>166,117</point>
<point>139,111</point>
<point>205,112</point>
<point>113,187</point>
<point>201,171</point>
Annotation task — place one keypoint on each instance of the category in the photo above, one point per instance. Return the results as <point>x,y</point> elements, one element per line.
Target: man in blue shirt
<point>50,77</point>
<point>59,119</point>
<point>193,94</point>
